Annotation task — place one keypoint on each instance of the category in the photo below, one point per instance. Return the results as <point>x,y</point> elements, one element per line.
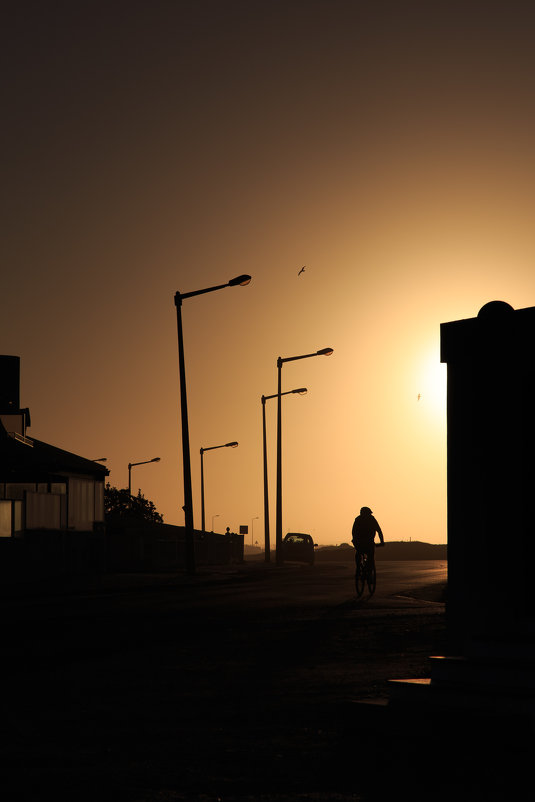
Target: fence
<point>42,555</point>
<point>161,547</point>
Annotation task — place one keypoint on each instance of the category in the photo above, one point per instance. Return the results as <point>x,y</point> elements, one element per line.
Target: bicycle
<point>365,574</point>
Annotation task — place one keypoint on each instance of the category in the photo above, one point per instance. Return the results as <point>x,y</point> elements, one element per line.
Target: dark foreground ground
<point>229,689</point>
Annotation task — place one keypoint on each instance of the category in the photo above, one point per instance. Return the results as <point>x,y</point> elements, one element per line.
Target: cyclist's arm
<point>380,533</point>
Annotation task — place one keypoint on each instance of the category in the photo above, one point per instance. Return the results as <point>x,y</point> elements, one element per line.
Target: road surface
<point>230,686</point>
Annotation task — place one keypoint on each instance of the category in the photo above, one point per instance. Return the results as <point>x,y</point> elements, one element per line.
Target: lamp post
<point>267,545</point>
<point>252,528</point>
<point>213,518</point>
<point>132,465</point>
<point>280,363</point>
<point>234,444</point>
<point>186,460</point>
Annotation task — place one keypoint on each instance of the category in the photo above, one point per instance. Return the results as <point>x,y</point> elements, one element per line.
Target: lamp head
<point>325,352</point>
<point>300,391</point>
<point>241,280</point>
<point>156,459</point>
<point>231,445</point>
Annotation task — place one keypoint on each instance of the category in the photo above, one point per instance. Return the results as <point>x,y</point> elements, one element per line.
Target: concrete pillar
<point>491,479</point>
<point>489,670</point>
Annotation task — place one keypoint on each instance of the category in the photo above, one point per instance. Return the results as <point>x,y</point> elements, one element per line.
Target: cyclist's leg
<point>359,576</point>
<point>366,551</point>
<point>371,576</point>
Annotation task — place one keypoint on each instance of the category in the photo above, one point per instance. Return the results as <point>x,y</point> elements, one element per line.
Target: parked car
<point>298,546</point>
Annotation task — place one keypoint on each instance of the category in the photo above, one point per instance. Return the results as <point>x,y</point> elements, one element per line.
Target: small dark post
<point>278,509</point>
<point>267,547</point>
<point>186,462</point>
<point>202,489</point>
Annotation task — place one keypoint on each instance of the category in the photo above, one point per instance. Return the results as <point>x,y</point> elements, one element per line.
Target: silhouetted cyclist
<point>365,527</point>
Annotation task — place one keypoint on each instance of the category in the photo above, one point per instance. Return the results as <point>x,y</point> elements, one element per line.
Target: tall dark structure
<point>490,611</point>
<point>491,479</point>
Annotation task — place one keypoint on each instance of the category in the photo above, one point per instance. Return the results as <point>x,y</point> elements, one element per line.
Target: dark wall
<point>491,472</point>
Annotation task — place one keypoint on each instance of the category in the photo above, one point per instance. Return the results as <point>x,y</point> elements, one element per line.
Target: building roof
<point>28,459</point>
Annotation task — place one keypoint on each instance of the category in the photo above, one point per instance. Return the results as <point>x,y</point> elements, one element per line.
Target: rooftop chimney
<point>9,383</point>
<point>14,419</point>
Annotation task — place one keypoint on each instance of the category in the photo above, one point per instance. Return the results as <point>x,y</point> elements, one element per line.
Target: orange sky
<point>155,147</point>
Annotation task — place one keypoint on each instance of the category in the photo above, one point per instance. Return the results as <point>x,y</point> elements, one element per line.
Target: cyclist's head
<point>365,511</point>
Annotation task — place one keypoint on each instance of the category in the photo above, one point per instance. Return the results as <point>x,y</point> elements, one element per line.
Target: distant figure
<point>227,531</point>
<point>364,530</point>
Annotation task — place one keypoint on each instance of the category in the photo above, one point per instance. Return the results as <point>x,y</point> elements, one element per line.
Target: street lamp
<point>267,546</point>
<point>280,363</point>
<point>213,518</point>
<point>132,465</point>
<point>252,528</point>
<point>211,448</point>
<point>188,494</point>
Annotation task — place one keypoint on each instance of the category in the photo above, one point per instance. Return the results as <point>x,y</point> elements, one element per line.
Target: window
<point>81,504</point>
<point>5,518</point>
<point>17,516</point>
<point>99,501</point>
<point>16,489</point>
<point>43,511</point>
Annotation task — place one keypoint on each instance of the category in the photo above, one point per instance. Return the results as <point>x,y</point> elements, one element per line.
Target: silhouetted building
<point>43,489</point>
<point>491,477</point>
<point>491,530</point>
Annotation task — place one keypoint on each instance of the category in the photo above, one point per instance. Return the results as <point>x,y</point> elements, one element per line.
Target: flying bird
<point>302,270</point>
<point>419,396</point>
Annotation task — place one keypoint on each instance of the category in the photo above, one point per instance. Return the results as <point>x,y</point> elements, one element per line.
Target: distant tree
<point>122,508</point>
